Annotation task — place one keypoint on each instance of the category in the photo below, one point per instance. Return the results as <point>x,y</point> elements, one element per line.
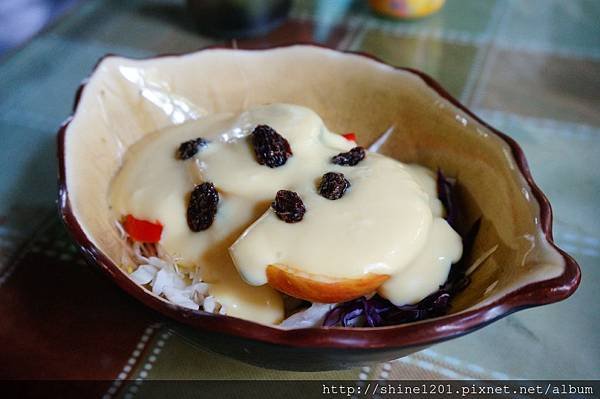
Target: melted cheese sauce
<point>388,222</point>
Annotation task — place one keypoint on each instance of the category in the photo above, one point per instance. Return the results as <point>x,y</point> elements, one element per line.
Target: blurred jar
<point>406,8</point>
<point>238,18</point>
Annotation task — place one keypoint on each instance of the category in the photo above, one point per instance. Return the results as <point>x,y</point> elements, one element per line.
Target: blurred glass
<point>406,8</point>
<point>21,19</point>
<point>238,18</point>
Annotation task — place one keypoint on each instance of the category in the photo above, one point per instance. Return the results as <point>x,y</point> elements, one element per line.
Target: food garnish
<point>350,158</point>
<point>189,148</point>
<point>271,148</point>
<point>333,185</point>
<point>288,206</point>
<point>142,230</point>
<point>349,136</point>
<point>318,289</point>
<point>202,206</point>
<point>447,194</point>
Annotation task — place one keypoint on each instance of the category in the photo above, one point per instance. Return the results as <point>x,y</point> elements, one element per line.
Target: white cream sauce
<point>388,222</point>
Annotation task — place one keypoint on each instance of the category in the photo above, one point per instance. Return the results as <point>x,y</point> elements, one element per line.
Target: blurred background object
<point>406,8</point>
<point>238,18</point>
<point>21,19</point>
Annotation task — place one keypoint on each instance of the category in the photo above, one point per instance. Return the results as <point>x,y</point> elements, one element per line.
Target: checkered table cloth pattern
<point>530,68</point>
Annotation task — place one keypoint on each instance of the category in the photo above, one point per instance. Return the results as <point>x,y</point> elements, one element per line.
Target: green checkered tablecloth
<point>530,68</point>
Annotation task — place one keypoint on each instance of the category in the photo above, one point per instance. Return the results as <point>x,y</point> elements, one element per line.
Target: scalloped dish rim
<point>421,333</point>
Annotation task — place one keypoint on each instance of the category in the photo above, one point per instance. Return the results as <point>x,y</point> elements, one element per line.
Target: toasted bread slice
<point>321,289</point>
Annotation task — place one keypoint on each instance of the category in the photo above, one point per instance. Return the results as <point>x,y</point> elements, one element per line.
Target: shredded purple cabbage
<point>447,195</point>
<point>377,311</point>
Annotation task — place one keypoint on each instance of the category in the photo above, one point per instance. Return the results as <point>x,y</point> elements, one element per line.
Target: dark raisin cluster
<point>271,148</point>
<point>333,185</point>
<point>202,206</point>
<point>288,206</point>
<point>189,148</point>
<point>350,158</point>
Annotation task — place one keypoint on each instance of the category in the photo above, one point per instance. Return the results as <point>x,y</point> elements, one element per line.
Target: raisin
<point>333,185</point>
<point>202,207</point>
<point>271,148</point>
<point>189,148</point>
<point>288,206</point>
<point>349,158</point>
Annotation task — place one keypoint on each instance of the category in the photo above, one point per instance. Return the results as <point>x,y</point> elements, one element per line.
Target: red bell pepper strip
<point>142,230</point>
<point>350,136</point>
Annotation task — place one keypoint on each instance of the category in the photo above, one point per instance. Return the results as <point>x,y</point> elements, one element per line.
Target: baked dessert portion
<point>228,212</point>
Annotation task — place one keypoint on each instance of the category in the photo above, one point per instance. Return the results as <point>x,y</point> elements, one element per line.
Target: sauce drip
<point>388,222</point>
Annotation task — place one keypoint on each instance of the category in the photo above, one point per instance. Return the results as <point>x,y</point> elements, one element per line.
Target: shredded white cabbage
<point>144,274</point>
<point>159,271</point>
<point>311,317</point>
<point>164,278</point>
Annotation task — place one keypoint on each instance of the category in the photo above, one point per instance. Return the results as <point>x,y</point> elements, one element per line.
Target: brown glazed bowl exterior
<point>125,99</point>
